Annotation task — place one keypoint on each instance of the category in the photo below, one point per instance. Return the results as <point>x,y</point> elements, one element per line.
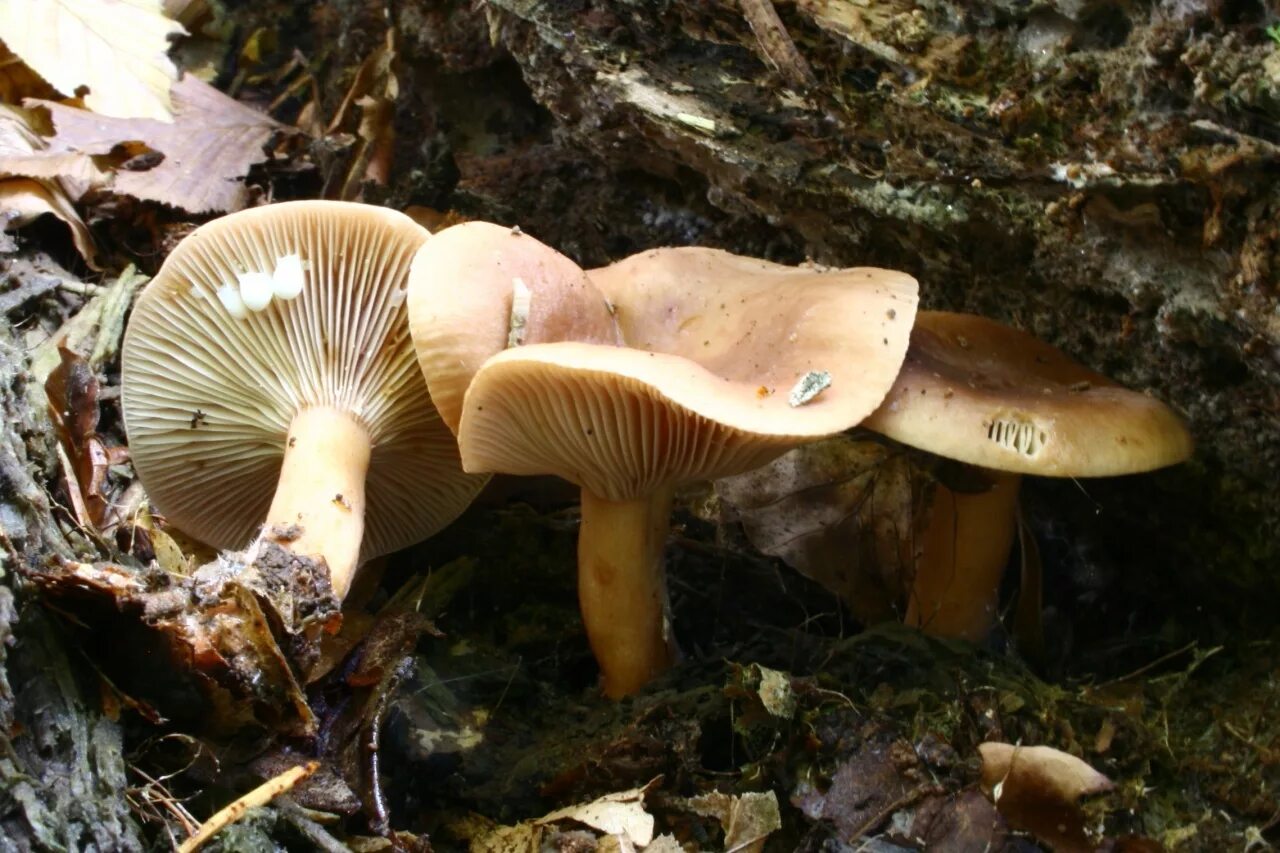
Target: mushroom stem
<point>622,587</point>
<point>964,552</point>
<point>321,490</point>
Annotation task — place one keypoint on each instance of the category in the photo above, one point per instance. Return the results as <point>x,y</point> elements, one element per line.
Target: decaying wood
<point>1097,175</point>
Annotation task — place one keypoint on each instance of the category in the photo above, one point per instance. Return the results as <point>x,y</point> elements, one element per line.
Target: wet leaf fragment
<point>843,512</point>
<point>747,819</point>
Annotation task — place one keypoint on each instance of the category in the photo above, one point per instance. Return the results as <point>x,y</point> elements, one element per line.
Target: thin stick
<point>259,796</point>
<point>775,42</point>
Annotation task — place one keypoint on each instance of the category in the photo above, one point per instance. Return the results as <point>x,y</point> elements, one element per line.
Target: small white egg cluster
<point>256,289</point>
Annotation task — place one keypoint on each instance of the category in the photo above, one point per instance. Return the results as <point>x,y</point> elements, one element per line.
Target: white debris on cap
<point>288,278</point>
<point>810,385</point>
<point>521,296</point>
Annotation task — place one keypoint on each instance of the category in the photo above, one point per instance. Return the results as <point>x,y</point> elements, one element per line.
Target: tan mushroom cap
<point>764,325</point>
<point>980,392</point>
<point>623,421</point>
<point>461,288</point>
<point>209,396</point>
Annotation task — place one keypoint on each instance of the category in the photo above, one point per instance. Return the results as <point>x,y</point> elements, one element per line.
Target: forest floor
<point>458,708</point>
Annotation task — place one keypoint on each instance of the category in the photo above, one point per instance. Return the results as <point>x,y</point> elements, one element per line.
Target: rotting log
<point>62,768</point>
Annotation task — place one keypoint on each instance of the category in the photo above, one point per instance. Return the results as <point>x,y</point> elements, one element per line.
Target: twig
<point>1147,667</point>
<point>775,42</point>
<point>80,288</point>
<point>259,796</point>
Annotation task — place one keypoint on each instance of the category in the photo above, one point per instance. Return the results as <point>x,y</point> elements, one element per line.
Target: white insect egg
<point>255,289</point>
<point>288,278</point>
<point>230,299</point>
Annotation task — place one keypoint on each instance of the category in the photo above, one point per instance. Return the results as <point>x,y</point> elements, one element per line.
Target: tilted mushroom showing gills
<point>716,343</point>
<point>995,398</point>
<point>477,288</point>
<point>269,377</point>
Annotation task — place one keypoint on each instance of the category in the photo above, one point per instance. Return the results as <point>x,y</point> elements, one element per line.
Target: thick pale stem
<point>622,587</point>
<point>321,490</point>
<point>963,555</point>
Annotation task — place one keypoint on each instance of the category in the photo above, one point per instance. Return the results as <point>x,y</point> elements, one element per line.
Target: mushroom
<point>714,343</point>
<point>268,377</point>
<point>477,288</point>
<point>1004,404</point>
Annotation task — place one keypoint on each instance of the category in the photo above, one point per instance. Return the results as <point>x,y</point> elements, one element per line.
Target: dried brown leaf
<point>23,153</point>
<point>747,819</point>
<point>374,90</point>
<point>72,391</point>
<point>963,821</point>
<point>843,512</point>
<point>22,200</point>
<point>208,148</point>
<point>872,784</point>
<point>1039,789</point>
<point>199,649</point>
<point>116,49</point>
<point>18,82</point>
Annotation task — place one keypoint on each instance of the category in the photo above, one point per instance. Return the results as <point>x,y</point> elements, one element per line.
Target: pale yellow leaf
<point>620,813</point>
<point>22,200</point>
<point>24,153</point>
<point>208,148</point>
<point>115,49</point>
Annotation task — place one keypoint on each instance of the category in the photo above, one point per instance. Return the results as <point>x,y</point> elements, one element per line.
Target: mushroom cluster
<point>672,366</point>
<point>332,376</point>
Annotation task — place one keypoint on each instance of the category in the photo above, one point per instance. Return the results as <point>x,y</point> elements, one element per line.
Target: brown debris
<point>72,390</point>
<point>175,639</point>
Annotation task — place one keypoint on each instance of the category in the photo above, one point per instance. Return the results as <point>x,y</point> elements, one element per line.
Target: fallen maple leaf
<point>208,148</point>
<point>117,49</point>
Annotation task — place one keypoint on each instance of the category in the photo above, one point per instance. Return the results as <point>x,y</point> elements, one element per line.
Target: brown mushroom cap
<point>980,392</point>
<point>209,396</point>
<point>461,289</point>
<point>733,335</point>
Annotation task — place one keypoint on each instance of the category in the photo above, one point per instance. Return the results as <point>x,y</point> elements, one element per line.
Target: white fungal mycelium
<point>229,296</point>
<point>255,289</point>
<point>288,278</point>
